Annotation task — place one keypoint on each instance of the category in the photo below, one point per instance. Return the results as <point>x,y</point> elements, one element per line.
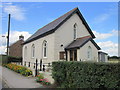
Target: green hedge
<point>14,59</point>
<point>4,59</point>
<point>86,74</point>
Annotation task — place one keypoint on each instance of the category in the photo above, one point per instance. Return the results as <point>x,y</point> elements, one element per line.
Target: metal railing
<point>38,66</point>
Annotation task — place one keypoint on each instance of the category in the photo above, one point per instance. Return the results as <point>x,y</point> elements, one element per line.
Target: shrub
<point>39,77</point>
<point>42,80</point>
<point>14,59</point>
<point>86,74</point>
<point>19,69</point>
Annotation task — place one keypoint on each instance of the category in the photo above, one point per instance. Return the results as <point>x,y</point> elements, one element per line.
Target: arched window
<point>89,54</point>
<point>33,51</point>
<point>75,32</point>
<point>25,52</point>
<point>44,49</point>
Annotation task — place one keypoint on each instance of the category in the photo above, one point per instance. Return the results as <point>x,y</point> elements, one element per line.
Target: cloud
<point>105,16</point>
<point>14,36</point>
<point>110,47</point>
<point>2,49</point>
<point>101,18</point>
<point>101,36</point>
<point>16,12</point>
<point>107,46</point>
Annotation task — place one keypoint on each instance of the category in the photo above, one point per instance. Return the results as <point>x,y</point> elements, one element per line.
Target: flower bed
<point>42,80</point>
<point>19,69</point>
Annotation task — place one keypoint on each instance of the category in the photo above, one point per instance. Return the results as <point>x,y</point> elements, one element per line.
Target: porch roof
<point>79,42</point>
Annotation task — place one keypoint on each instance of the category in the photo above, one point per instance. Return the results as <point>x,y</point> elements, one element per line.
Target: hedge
<point>4,59</point>
<point>14,59</point>
<point>86,74</point>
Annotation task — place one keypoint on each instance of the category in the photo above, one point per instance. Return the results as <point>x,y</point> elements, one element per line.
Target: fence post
<point>21,63</point>
<point>41,65</point>
<point>44,68</point>
<point>36,68</point>
<point>25,63</point>
<point>29,64</point>
<point>34,65</point>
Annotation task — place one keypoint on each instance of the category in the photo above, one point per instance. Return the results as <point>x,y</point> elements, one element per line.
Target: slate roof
<point>79,42</point>
<point>52,26</point>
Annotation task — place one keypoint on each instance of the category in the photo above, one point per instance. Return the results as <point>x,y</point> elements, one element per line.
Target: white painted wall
<point>84,49</point>
<point>64,35</point>
<point>106,58</point>
<point>38,49</point>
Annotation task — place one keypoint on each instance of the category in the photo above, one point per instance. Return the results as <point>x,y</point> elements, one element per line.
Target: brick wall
<point>16,49</point>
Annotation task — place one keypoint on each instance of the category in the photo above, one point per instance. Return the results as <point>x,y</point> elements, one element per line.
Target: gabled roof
<point>79,42</point>
<point>21,41</point>
<point>52,26</point>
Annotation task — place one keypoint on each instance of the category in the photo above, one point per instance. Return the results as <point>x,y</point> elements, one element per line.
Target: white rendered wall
<point>64,35</point>
<point>84,50</point>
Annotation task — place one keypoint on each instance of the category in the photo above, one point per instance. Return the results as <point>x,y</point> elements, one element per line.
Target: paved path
<point>15,80</point>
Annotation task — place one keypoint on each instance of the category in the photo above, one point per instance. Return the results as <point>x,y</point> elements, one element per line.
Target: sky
<point>28,17</point>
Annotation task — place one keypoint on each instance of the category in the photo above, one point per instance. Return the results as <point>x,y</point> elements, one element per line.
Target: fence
<point>38,66</point>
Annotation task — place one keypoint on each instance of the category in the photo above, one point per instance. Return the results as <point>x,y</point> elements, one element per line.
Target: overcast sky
<point>28,17</point>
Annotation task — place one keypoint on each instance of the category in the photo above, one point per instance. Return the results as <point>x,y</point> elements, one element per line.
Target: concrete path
<point>15,80</point>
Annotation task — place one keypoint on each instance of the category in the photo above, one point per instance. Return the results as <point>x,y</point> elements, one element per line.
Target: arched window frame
<point>44,46</point>
<point>25,52</point>
<point>33,51</point>
<point>75,31</point>
<point>89,53</point>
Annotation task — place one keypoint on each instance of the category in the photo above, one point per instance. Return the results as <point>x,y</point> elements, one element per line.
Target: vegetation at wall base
<point>42,80</point>
<point>19,69</point>
<point>86,74</point>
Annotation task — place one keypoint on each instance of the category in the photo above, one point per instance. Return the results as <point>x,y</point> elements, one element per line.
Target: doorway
<point>73,55</point>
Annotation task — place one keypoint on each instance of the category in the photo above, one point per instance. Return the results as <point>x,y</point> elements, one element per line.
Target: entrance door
<point>73,55</point>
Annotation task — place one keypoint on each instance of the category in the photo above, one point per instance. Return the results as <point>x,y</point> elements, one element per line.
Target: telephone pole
<point>8,35</point>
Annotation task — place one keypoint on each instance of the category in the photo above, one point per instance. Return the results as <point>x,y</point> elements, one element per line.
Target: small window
<point>33,51</point>
<point>25,52</point>
<point>62,55</point>
<point>89,53</point>
<point>45,49</point>
<point>75,28</point>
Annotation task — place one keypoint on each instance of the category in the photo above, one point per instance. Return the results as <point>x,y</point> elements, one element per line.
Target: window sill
<point>44,57</point>
<point>33,57</point>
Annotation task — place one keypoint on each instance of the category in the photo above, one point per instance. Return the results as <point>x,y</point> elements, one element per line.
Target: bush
<point>19,69</point>
<point>4,59</point>
<point>39,77</point>
<point>14,59</point>
<point>42,80</point>
<point>86,74</point>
